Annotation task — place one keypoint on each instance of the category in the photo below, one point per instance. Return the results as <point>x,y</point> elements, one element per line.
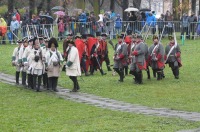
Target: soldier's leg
<point>45,80</point>
<point>139,74</point>
<point>154,73</point>
<point>74,79</point>
<point>148,73</point>
<point>50,81</point>
<point>17,77</point>
<point>121,74</point>
<point>39,83</point>
<point>83,65</point>
<point>159,74</point>
<point>176,71</point>
<point>24,78</point>
<point>34,81</point>
<point>126,70</point>
<point>55,82</point>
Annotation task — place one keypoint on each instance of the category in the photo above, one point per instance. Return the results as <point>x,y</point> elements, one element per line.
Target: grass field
<point>25,110</point>
<point>182,94</point>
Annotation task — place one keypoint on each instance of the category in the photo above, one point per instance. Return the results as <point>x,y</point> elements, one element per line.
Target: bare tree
<point>112,4</point>
<point>185,6</point>
<point>31,8</point>
<point>137,3</point>
<point>176,9</point>
<point>10,5</point>
<point>194,5</point>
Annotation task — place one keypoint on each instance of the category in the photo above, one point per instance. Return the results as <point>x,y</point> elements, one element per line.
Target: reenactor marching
<point>53,64</point>
<point>173,56</point>
<point>120,57</point>
<point>156,58</point>
<point>138,61</point>
<point>16,61</point>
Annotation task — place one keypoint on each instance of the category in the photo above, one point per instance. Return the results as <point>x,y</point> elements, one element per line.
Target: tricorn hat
<point>170,37</point>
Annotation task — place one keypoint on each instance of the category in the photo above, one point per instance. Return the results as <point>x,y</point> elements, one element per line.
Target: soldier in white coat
<point>54,61</point>
<point>16,61</point>
<point>73,65</point>
<point>36,64</point>
<point>27,61</point>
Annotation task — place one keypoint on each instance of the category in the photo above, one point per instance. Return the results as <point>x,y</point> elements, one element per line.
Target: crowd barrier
<point>111,28</point>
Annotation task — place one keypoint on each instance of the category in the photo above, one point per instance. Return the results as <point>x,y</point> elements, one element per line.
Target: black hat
<point>121,36</point>
<point>52,41</point>
<point>98,34</point>
<point>155,37</point>
<point>69,34</point>
<point>129,32</point>
<point>84,36</point>
<point>170,37</point>
<point>104,35</point>
<point>71,42</point>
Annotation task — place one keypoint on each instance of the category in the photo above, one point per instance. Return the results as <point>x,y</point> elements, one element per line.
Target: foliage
<point>3,9</point>
<point>25,110</point>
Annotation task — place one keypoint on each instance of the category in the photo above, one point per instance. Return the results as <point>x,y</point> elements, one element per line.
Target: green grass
<point>25,110</point>
<point>182,94</point>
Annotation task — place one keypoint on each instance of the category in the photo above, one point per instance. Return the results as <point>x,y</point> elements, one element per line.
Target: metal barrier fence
<point>111,28</point>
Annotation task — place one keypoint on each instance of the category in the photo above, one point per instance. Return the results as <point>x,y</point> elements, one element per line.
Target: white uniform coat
<point>74,69</point>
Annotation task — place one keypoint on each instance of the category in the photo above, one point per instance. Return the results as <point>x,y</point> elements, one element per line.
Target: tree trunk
<point>194,6</point>
<point>81,4</point>
<point>199,7</point>
<point>96,8</point>
<point>10,5</point>
<point>31,8</point>
<point>41,5</point>
<point>137,3</point>
<point>175,5</point>
<point>48,7</point>
<point>185,6</point>
<point>124,6</point>
<point>112,5</point>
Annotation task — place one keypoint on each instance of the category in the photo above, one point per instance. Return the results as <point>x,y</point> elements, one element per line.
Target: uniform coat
<point>157,53</point>
<point>51,56</point>
<point>73,56</point>
<point>120,56</point>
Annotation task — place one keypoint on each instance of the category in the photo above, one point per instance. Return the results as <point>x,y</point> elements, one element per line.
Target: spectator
<point>16,14</point>
<point>3,30</point>
<point>192,22</point>
<point>161,23</point>
<point>93,25</point>
<point>118,25</point>
<point>14,26</point>
<point>198,26</point>
<point>82,19</point>
<point>169,19</point>
<point>132,18</point>
<point>151,22</point>
<point>61,29</point>
<point>112,22</point>
<point>185,25</point>
<point>25,22</point>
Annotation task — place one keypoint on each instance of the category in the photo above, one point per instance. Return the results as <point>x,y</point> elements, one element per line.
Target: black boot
<point>39,83</point>
<point>77,85</point>
<point>176,71</point>
<point>136,77</point>
<point>87,74</point>
<point>34,81</point>
<point>74,79</point>
<point>55,82</point>
<point>121,76</point>
<point>126,70</point>
<point>102,73</point>
<point>45,80</point>
<point>148,73</point>
<point>17,77</point>
<point>154,73</point>
<point>50,84</point>
<point>24,78</point>
<point>140,77</point>
<point>159,75</point>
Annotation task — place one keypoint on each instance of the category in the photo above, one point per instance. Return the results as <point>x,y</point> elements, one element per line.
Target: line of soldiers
<point>132,50</point>
<point>37,58</point>
<point>93,51</point>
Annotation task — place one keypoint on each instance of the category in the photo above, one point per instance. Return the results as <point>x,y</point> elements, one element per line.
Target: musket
<point>174,46</point>
<point>111,43</point>
<point>15,35</point>
<point>147,32</point>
